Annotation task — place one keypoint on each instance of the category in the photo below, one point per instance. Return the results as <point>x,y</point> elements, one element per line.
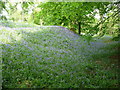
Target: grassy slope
<point>55,58</point>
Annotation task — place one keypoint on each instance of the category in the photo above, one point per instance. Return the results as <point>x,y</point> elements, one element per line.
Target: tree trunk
<point>79,28</point>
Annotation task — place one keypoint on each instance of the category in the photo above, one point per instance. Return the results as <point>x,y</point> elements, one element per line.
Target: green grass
<point>0,70</point>
<point>56,58</point>
<point>15,24</point>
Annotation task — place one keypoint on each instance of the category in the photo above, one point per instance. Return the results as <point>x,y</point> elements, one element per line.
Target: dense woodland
<point>59,44</point>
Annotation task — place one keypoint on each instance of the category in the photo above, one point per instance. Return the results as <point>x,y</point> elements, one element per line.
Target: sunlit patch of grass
<point>11,24</point>
<point>55,58</point>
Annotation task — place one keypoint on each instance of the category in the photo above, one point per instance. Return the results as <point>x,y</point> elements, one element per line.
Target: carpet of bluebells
<point>54,57</point>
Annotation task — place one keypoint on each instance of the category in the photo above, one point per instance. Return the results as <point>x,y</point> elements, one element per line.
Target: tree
<point>70,14</point>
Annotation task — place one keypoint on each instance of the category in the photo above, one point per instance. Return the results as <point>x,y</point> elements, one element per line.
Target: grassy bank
<point>53,57</point>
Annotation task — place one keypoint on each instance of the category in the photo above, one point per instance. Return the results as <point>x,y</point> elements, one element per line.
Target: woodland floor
<point>54,57</point>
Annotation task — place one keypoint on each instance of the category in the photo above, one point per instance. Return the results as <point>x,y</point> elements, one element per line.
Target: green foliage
<point>108,23</point>
<point>69,14</point>
<point>117,38</point>
<point>55,58</point>
<point>2,7</point>
<point>66,14</point>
